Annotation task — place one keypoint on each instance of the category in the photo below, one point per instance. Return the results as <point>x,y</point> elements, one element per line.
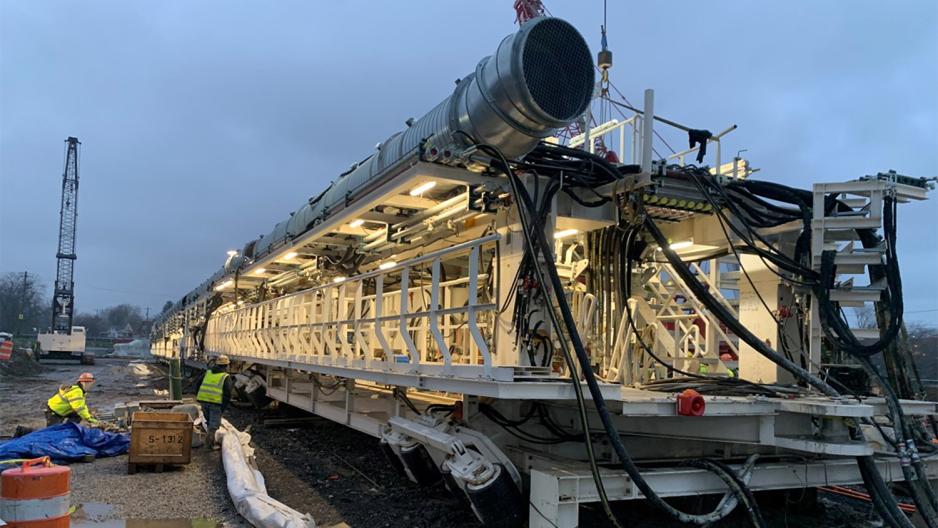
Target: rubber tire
<point>418,462</point>
<point>392,457</point>
<point>449,482</point>
<point>499,503</point>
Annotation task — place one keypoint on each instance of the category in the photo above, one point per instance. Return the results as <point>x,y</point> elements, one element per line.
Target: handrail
<point>329,320</point>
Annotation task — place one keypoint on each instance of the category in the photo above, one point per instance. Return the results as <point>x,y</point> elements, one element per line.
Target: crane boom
<point>63,298</point>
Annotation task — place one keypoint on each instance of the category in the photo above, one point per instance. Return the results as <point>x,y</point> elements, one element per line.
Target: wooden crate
<point>158,439</point>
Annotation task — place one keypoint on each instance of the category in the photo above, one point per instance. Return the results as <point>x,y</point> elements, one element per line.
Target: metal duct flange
<point>539,79</point>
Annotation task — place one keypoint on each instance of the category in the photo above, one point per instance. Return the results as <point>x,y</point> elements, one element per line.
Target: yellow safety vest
<point>68,400</point>
<point>212,388</point>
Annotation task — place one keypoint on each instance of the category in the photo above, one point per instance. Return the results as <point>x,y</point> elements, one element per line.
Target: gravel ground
<point>23,396</point>
<point>335,473</point>
<point>339,474</point>
<point>188,492</point>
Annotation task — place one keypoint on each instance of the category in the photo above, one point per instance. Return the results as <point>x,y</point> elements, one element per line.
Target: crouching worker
<point>68,404</point>
<point>214,395</point>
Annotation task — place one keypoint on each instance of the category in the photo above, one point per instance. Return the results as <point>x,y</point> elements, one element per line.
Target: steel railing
<point>376,320</point>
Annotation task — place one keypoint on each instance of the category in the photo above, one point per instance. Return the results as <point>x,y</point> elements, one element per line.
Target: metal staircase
<point>677,327</point>
<point>836,230</point>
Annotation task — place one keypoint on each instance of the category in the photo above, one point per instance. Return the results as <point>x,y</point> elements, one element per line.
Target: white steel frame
<point>381,340</point>
<point>339,325</point>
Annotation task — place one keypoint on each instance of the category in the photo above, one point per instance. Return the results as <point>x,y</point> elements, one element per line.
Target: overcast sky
<point>204,123</point>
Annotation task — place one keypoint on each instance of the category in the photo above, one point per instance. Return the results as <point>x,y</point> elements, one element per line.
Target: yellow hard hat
<point>222,360</point>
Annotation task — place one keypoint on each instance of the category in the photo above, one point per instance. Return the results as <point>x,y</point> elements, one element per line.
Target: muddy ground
<point>335,473</point>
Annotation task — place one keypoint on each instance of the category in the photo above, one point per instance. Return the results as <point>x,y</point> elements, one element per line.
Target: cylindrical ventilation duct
<point>538,80</point>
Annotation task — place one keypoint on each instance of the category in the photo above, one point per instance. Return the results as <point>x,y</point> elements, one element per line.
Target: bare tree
<point>866,316</point>
<point>23,305</point>
<point>95,325</point>
<point>922,343</point>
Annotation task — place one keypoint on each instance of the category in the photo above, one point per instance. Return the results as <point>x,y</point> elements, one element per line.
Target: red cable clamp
<point>690,403</point>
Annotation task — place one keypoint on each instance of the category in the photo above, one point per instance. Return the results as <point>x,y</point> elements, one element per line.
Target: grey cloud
<point>204,123</point>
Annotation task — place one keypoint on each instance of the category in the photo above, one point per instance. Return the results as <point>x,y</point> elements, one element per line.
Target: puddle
<point>145,523</point>
<point>92,511</point>
<point>95,515</point>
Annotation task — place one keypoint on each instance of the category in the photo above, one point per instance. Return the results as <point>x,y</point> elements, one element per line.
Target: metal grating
<point>555,50</point>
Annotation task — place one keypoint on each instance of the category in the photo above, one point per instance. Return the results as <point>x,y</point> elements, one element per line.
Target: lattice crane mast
<point>63,298</point>
<point>65,341</point>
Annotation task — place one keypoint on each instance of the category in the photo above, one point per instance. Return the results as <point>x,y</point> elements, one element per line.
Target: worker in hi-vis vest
<point>214,395</point>
<point>68,404</point>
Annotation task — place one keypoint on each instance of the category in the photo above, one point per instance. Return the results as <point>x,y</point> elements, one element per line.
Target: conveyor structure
<point>472,290</point>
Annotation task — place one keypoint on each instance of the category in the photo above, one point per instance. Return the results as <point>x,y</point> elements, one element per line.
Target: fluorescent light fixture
<point>565,233</point>
<point>290,256</point>
<point>387,265</point>
<point>232,252</point>
<point>338,279</point>
<point>681,244</point>
<point>224,285</point>
<point>260,271</point>
<point>422,188</point>
<point>356,223</point>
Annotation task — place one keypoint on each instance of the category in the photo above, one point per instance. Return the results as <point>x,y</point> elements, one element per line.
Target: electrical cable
<point>578,390</point>
<point>886,505</point>
<point>585,366</point>
<point>885,502</point>
<point>671,369</point>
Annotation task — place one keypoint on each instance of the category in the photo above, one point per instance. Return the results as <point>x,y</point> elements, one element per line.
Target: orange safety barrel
<point>6,350</point>
<point>35,495</point>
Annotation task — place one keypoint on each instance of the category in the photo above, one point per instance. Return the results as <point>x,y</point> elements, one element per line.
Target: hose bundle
<point>746,202</point>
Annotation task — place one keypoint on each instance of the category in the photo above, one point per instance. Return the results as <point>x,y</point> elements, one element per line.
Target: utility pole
<point>22,304</point>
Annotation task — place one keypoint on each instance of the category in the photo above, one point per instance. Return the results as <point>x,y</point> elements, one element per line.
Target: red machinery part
<point>690,403</point>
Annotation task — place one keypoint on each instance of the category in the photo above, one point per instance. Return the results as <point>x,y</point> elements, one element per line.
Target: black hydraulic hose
<point>600,404</point>
<point>723,314</point>
<point>868,472</point>
<point>776,191</point>
<point>593,386</point>
<point>799,197</point>
<point>735,483</point>
<point>908,457</point>
<point>844,337</point>
<point>837,331</point>
<point>756,218</point>
<point>778,211</point>
<point>525,204</point>
<point>872,479</point>
<point>886,503</point>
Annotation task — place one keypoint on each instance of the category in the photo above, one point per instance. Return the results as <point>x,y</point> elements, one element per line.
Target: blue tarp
<point>66,442</point>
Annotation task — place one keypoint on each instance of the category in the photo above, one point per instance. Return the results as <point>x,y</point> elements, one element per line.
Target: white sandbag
<point>246,484</point>
<point>138,348</point>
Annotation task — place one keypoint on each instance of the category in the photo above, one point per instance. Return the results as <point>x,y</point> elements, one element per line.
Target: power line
<point>135,292</point>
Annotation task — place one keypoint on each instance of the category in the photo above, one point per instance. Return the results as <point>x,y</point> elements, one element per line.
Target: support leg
<point>546,509</point>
